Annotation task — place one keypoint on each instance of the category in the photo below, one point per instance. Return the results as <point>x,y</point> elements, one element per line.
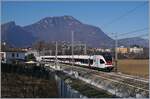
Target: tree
<point>30,57</point>
<point>39,45</point>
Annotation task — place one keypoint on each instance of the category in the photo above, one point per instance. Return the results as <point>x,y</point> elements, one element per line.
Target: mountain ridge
<point>60,28</point>
<point>57,28</point>
<point>134,41</point>
<point>15,35</point>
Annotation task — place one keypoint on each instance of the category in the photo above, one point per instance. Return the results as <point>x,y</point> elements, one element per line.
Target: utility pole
<point>72,41</point>
<point>63,49</point>
<point>56,51</point>
<point>116,54</point>
<point>85,50</point>
<point>50,52</point>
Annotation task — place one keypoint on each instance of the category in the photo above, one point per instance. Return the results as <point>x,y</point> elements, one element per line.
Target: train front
<point>108,61</point>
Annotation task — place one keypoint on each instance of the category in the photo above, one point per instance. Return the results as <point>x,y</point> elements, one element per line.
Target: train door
<point>102,63</point>
<point>95,61</point>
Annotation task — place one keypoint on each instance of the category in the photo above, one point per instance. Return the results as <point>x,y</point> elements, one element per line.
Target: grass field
<point>134,67</point>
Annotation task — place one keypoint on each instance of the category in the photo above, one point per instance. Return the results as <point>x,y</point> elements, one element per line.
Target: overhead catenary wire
<point>131,32</point>
<point>135,31</point>
<point>120,40</point>
<point>142,35</point>
<point>124,15</point>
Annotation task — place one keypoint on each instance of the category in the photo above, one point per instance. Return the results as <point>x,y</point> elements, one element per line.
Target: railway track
<point>122,79</point>
<point>130,81</point>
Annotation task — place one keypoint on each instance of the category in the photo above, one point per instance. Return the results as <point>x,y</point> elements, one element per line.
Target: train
<point>103,62</point>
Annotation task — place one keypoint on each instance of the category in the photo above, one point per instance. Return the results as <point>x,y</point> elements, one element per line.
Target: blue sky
<point>97,13</point>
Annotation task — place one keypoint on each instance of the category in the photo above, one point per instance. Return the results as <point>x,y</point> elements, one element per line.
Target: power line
<point>124,15</point>
<point>138,30</point>
<point>131,32</point>
<point>129,41</point>
<point>143,35</point>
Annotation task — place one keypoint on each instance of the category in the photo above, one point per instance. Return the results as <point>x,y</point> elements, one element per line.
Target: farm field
<point>134,67</point>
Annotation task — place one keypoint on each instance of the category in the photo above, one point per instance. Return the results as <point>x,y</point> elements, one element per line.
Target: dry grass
<point>22,86</point>
<point>134,67</point>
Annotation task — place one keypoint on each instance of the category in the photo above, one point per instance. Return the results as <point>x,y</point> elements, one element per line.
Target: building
<point>103,49</point>
<point>100,49</point>
<point>34,52</point>
<point>136,50</point>
<point>2,56</point>
<point>107,50</point>
<point>122,50</point>
<point>12,56</point>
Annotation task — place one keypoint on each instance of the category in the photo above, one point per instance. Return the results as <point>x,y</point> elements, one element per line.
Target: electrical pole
<point>85,51</point>
<point>72,41</point>
<point>50,52</point>
<point>116,54</point>
<point>63,49</point>
<point>56,51</point>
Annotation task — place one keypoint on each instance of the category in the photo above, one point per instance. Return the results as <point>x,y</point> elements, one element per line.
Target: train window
<point>13,55</point>
<point>80,60</point>
<point>68,59</point>
<point>85,61</point>
<point>59,58</point>
<point>17,55</point>
<point>91,61</point>
<point>101,61</point>
<point>75,60</point>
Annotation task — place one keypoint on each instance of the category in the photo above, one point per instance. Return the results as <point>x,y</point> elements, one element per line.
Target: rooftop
<point>14,50</point>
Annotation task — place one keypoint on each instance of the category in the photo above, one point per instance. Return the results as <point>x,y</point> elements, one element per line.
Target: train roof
<point>75,56</point>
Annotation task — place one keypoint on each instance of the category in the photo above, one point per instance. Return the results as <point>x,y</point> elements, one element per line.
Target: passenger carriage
<point>94,61</point>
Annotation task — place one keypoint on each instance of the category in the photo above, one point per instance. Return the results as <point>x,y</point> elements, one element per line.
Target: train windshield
<point>107,56</point>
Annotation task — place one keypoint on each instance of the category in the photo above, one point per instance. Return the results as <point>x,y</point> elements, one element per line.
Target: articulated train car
<point>95,61</point>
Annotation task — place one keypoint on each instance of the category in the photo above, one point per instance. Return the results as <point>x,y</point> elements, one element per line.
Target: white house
<point>11,56</point>
<point>100,49</point>
<point>107,50</point>
<point>136,50</point>
<point>103,50</point>
<point>34,52</point>
<point>3,56</point>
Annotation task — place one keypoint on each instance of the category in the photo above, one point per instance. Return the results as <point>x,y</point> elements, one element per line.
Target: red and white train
<point>94,61</point>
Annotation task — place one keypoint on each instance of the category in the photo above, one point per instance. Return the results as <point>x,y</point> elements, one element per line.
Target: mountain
<point>15,35</point>
<point>134,41</point>
<point>60,28</point>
